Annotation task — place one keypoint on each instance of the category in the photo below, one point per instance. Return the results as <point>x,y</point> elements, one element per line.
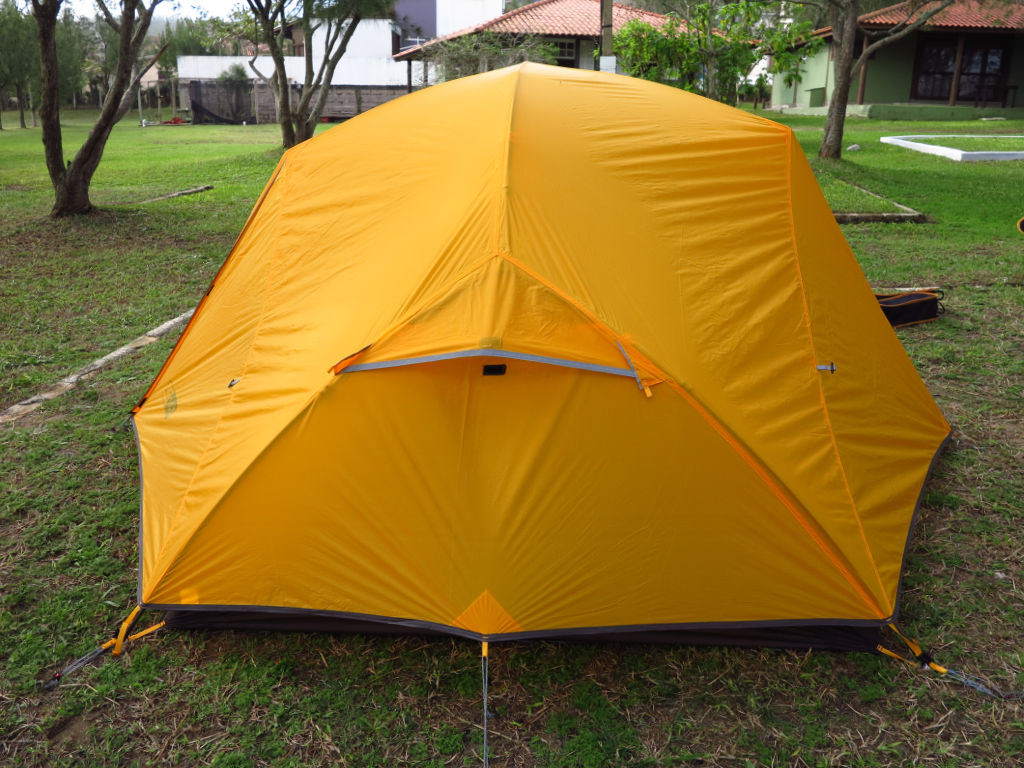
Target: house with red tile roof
<point>970,53</point>
<point>572,26</point>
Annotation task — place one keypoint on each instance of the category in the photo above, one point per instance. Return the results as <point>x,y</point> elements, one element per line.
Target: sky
<point>167,8</point>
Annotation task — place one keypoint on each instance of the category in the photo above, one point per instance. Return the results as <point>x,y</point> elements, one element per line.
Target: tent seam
<point>220,417</point>
<point>506,151</point>
<point>216,277</point>
<point>766,478</point>
<point>310,401</point>
<point>913,520</point>
<point>141,540</point>
<point>424,305</point>
<point>606,330</point>
<point>821,389</point>
<point>761,471</point>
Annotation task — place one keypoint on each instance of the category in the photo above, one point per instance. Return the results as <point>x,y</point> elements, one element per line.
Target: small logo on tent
<point>170,403</point>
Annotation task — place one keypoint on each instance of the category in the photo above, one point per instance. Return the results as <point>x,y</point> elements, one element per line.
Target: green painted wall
<point>813,70</point>
<point>922,111</point>
<point>889,73</point>
<point>889,78</point>
<point>916,112</point>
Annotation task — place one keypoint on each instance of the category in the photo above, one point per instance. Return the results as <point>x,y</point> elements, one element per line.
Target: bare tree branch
<point>260,75</point>
<point>325,83</point>
<point>133,86</point>
<point>111,22</point>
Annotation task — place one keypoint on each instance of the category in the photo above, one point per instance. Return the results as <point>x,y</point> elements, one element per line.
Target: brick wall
<point>343,101</point>
<point>221,102</point>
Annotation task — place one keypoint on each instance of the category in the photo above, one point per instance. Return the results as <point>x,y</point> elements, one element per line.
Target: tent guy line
<point>69,382</point>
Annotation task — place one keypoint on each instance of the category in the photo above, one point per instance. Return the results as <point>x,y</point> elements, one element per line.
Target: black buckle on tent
<point>495,369</point>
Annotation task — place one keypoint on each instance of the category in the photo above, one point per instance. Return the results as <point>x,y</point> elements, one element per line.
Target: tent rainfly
<point>538,353</point>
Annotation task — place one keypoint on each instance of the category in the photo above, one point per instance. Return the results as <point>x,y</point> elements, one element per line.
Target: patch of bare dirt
<point>48,241</point>
<point>71,730</point>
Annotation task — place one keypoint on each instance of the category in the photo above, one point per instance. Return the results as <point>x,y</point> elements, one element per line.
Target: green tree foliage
<point>484,51</point>
<point>713,48</point>
<point>668,55</point>
<point>236,82</point>
<point>19,58</point>
<point>238,34</point>
<point>73,43</point>
<point>188,37</point>
<point>101,61</point>
<point>234,75</point>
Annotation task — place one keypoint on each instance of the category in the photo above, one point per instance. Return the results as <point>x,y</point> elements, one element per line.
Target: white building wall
<point>212,67</point>
<point>366,62</point>
<point>368,58</point>
<point>586,52</point>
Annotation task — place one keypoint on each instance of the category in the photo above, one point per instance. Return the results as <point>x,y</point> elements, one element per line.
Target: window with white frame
<point>565,53</point>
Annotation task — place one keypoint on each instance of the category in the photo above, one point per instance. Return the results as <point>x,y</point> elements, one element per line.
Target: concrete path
<point>69,382</point>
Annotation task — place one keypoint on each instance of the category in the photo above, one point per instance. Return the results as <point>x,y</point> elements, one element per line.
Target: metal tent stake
<point>484,674</point>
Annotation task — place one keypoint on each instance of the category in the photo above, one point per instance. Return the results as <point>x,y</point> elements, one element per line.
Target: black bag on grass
<point>911,307</point>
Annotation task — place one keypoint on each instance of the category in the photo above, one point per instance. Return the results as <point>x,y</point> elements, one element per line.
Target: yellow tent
<point>537,353</point>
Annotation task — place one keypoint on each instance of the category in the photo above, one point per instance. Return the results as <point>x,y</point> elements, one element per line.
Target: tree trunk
<point>844,29</point>
<point>71,196</point>
<point>710,65</point>
<point>284,94</point>
<point>49,108</point>
<point>71,182</point>
<point>270,17</point>
<point>20,92</point>
<point>301,116</point>
<point>303,129</point>
<point>284,112</point>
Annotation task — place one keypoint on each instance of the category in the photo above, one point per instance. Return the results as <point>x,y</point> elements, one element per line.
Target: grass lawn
<point>73,290</point>
<point>845,197</point>
<point>978,143</point>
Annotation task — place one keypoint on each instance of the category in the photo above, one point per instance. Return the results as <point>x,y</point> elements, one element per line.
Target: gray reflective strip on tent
<point>632,370</point>
<point>492,353</point>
